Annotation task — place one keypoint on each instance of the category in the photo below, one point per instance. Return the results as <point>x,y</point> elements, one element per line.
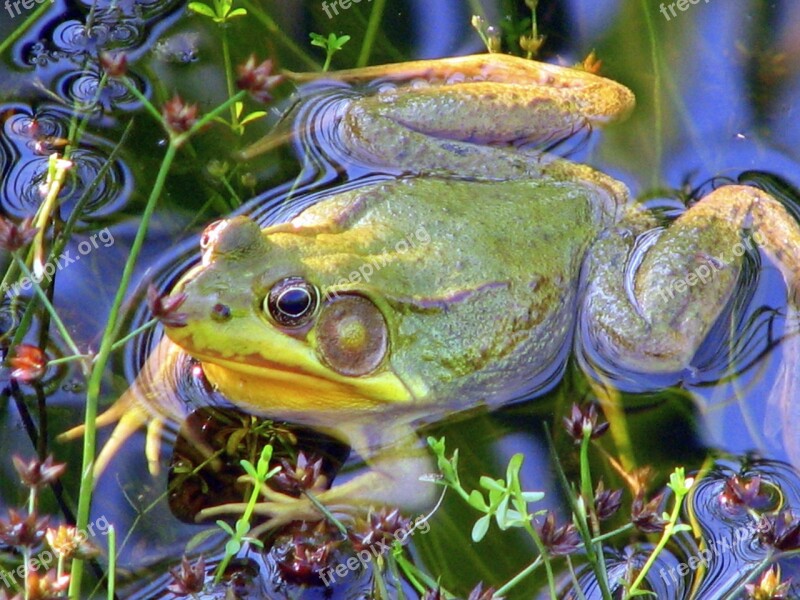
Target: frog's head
<point>276,339</point>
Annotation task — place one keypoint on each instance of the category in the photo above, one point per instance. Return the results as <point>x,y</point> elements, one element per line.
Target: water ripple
<point>28,138</point>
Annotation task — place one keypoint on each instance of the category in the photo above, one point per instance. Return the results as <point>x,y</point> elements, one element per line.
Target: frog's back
<point>478,279</point>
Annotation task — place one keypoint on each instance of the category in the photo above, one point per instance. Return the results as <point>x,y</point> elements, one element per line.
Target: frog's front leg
<point>650,310</point>
<point>393,479</point>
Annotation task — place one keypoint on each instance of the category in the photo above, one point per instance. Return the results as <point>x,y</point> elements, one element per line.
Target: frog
<point>464,281</point>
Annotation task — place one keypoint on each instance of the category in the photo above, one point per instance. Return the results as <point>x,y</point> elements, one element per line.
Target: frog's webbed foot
<point>392,479</point>
<point>651,301</point>
<point>149,402</point>
<point>130,417</point>
<point>276,510</point>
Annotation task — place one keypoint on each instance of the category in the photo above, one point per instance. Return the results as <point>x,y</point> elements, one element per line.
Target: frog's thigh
<point>650,310</point>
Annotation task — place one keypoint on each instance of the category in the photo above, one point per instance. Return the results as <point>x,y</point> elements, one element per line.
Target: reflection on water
<point>717,90</point>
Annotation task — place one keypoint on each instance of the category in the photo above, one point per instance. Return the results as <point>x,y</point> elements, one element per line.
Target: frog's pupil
<point>291,302</point>
<point>294,302</point>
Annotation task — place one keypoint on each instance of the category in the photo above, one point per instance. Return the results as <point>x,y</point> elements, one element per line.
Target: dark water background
<point>717,89</point>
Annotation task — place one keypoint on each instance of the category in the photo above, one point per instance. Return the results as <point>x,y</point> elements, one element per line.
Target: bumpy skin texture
<point>479,303</point>
<point>509,245</point>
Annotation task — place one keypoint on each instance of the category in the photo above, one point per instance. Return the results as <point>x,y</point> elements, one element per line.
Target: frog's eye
<point>352,336</point>
<point>291,302</point>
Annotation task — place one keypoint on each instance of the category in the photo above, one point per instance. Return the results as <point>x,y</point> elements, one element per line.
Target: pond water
<point>717,85</point>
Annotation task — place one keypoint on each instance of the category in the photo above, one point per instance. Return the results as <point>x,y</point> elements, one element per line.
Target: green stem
<point>125,339</point>
<point>237,537</point>
<point>611,534</point>
<point>95,380</point>
<point>326,513</point>
<point>595,549</point>
<point>67,359</point>
<point>520,576</point>
<point>373,25</point>
<point>226,58</point>
<point>48,306</point>
<point>665,537</point>
<point>26,556</point>
<point>149,107</point>
<point>328,57</point>
<point>112,562</point>
<point>209,116</point>
<point>586,480</point>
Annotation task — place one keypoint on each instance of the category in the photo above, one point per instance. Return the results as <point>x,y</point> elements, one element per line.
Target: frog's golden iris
<point>521,245</point>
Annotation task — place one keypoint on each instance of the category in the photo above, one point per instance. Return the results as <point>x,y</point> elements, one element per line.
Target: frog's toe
<point>279,510</point>
<point>133,420</point>
<point>129,417</point>
<point>283,513</point>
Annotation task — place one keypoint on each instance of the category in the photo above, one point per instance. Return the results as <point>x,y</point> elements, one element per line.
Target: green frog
<point>459,283</point>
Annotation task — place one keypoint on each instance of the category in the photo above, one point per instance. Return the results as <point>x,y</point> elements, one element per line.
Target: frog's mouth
<point>280,390</point>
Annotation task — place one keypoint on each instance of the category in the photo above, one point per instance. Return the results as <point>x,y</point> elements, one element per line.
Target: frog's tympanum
<point>460,282</point>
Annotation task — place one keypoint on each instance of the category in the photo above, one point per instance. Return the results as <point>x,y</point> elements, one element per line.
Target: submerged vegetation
<point>650,533</point>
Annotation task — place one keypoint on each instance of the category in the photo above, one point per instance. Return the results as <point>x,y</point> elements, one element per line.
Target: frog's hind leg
<point>652,299</point>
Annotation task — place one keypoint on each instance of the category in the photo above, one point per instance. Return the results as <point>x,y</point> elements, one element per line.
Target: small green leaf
<point>477,501</point>
<point>514,518</point>
<point>480,528</point>
<point>232,547</point>
<point>492,484</point>
<point>254,542</point>
<point>259,114</point>
<point>202,9</point>
<point>249,468</point>
<point>318,40</point>
<point>532,496</point>
<point>239,12</point>
<point>495,496</point>
<point>263,462</point>
<point>681,527</point>
<point>500,514</point>
<point>225,527</point>
<point>514,466</point>
<point>336,43</point>
<point>242,527</point>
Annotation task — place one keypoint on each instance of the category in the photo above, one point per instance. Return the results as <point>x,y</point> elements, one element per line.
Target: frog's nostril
<point>220,312</point>
<point>210,233</point>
